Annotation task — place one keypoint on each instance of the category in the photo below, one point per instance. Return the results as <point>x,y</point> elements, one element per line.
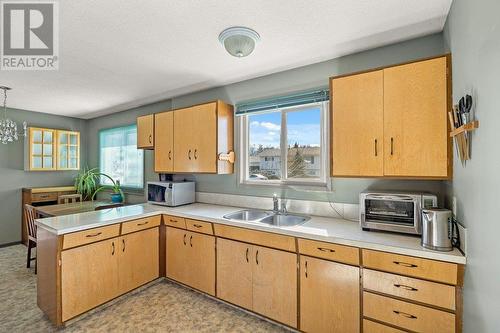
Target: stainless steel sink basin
<point>267,217</point>
<point>248,215</point>
<point>284,220</point>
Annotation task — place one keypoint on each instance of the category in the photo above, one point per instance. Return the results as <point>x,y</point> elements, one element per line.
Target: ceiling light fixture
<point>239,41</point>
<point>8,128</point>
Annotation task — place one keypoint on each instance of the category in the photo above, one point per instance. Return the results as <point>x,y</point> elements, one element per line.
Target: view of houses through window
<point>294,135</point>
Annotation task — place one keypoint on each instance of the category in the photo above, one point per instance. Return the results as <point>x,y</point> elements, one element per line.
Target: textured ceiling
<point>118,54</point>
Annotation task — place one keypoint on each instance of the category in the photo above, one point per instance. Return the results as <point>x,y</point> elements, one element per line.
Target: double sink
<point>267,217</point>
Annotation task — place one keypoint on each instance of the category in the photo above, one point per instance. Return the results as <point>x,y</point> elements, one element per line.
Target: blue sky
<point>303,127</point>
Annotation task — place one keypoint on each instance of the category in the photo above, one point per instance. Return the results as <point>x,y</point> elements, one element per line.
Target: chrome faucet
<point>276,209</point>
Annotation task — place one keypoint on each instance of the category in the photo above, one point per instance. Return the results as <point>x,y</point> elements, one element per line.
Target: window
<point>287,145</point>
<point>120,158</point>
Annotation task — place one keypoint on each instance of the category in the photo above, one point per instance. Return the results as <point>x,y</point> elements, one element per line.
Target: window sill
<point>293,185</point>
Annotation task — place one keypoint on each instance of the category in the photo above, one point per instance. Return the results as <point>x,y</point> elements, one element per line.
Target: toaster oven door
<point>392,213</point>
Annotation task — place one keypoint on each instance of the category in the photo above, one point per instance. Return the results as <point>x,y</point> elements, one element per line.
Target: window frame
<point>125,188</point>
<point>244,133</point>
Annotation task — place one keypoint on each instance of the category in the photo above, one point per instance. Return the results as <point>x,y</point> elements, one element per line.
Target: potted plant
<point>87,184</point>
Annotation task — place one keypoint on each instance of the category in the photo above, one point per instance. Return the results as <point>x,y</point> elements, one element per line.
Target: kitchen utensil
<point>437,229</point>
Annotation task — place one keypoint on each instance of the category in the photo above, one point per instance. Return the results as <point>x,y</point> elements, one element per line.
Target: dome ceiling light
<point>239,41</point>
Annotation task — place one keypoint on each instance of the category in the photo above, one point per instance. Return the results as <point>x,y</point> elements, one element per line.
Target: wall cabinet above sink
<point>189,140</point>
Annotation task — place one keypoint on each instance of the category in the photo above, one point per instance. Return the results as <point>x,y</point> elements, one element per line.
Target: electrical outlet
<point>454,206</point>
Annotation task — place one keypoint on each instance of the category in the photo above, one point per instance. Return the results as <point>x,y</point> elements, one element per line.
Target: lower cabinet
<point>260,279</point>
<point>191,259</point>
<point>329,296</point>
<point>96,273</point>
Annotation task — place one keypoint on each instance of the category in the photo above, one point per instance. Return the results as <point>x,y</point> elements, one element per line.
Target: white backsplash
<point>317,208</point>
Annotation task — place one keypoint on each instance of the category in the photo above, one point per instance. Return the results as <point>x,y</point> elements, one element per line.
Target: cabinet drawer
<point>373,327</point>
<point>174,221</point>
<point>407,315</point>
<point>90,236</point>
<point>140,224</point>
<point>268,239</point>
<point>414,289</point>
<point>412,266</point>
<point>42,197</point>
<point>335,252</point>
<point>199,226</point>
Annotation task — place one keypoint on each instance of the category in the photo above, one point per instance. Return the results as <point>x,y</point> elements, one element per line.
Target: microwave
<point>394,211</point>
<point>171,193</point>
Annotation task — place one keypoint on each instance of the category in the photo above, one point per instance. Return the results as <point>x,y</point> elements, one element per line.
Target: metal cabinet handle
<point>305,271</point>
<point>404,314</point>
<point>189,154</point>
<point>324,249</point>
<point>392,146</point>
<point>197,226</point>
<point>376,152</point>
<point>404,264</point>
<point>170,155</point>
<point>191,241</point>
<point>246,255</point>
<point>185,239</point>
<point>93,235</point>
<point>196,154</point>
<point>405,287</point>
<point>123,243</point>
<point>113,246</point>
<point>150,138</point>
<point>143,223</point>
<point>257,257</point>
<point>173,221</point>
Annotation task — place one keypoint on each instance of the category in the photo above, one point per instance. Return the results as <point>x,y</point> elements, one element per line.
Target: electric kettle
<point>437,229</point>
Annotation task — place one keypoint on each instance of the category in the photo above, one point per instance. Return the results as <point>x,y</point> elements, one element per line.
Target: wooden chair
<point>69,198</point>
<point>109,206</point>
<point>31,215</point>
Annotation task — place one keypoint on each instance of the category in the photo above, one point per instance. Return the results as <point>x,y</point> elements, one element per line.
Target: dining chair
<point>69,198</point>
<point>31,215</point>
<point>109,206</point>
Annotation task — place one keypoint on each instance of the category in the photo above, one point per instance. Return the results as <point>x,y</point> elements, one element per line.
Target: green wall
<point>472,33</point>
<point>12,174</point>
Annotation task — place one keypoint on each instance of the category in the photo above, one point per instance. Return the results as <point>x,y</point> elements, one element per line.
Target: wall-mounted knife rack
<point>461,135</point>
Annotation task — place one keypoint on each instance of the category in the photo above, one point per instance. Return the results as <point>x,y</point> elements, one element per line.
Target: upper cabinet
<point>392,122</point>
<point>190,140</point>
<point>145,132</point>
<point>50,150</point>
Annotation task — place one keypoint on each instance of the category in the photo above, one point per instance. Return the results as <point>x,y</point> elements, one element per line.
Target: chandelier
<point>8,128</point>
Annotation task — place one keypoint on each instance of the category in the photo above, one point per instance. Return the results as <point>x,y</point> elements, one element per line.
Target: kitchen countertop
<point>326,229</point>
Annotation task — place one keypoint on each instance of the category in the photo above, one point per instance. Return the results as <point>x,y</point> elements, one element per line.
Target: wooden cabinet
<point>89,277</point>
<point>68,150</point>
<point>358,125</point>
<point>416,119</point>
<point>138,259</point>
<point>266,283</point>
<point>329,296</point>
<point>164,141</point>
<point>189,140</point>
<point>145,132</point>
<point>191,259</point>
<point>392,122</point>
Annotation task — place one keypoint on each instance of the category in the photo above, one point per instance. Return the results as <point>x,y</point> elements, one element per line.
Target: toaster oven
<point>392,211</point>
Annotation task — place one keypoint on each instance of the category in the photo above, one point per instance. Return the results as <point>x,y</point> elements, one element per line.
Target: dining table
<point>72,208</point>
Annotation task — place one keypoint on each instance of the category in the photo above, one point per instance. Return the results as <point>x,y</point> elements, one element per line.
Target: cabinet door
<point>68,150</point>
<point>42,149</point>
<point>235,259</point>
<point>184,139</point>
<point>164,142</point>
<point>145,126</point>
<point>204,138</point>
<point>177,255</point>
<point>357,125</point>
<point>275,285</point>
<point>138,259</point>
<point>201,262</point>
<point>329,296</point>
<point>89,277</point>
<point>415,119</point>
